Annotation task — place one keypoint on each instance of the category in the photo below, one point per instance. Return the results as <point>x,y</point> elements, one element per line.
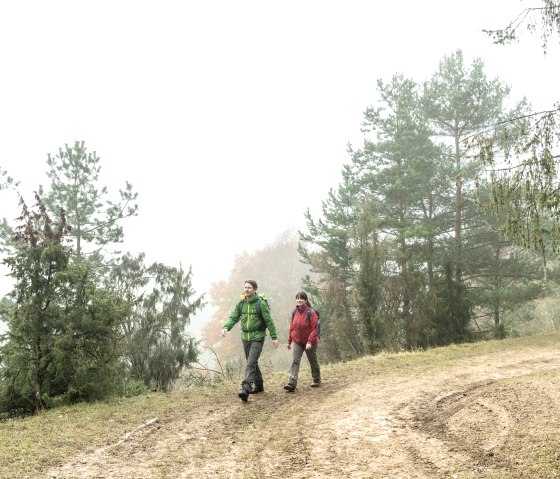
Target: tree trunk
<point>458,207</point>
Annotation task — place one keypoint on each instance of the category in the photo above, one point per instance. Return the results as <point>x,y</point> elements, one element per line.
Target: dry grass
<point>34,445</point>
<point>47,439</point>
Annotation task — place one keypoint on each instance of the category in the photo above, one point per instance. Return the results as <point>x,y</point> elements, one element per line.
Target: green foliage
<point>545,19</point>
<point>385,210</point>
<point>74,173</point>
<point>5,230</point>
<point>132,387</point>
<point>5,180</point>
<point>80,328</point>
<point>519,155</point>
<point>520,152</point>
<point>452,313</point>
<point>404,257</point>
<point>459,101</point>
<point>502,277</point>
<point>60,346</point>
<point>158,303</point>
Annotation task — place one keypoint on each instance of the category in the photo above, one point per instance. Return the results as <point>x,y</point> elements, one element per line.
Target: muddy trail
<point>487,416</point>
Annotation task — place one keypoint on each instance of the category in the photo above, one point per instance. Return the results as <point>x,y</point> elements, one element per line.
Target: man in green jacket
<point>255,317</point>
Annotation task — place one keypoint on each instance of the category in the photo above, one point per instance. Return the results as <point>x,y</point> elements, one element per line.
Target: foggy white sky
<point>230,118</point>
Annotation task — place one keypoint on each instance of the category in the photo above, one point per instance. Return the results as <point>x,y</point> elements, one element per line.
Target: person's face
<point>300,301</point>
<point>249,290</point>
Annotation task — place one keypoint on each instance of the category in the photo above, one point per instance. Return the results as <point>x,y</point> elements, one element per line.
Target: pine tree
<point>160,303</point>
<point>460,102</point>
<point>62,329</point>
<point>74,173</point>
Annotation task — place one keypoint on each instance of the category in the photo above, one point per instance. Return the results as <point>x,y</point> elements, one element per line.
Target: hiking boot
<point>257,389</point>
<point>289,388</point>
<point>315,384</point>
<point>244,393</point>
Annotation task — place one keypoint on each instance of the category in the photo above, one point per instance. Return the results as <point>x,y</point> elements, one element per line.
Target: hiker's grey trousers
<point>253,375</point>
<point>297,353</point>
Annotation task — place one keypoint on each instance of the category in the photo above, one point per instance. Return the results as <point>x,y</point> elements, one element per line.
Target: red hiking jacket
<point>303,331</point>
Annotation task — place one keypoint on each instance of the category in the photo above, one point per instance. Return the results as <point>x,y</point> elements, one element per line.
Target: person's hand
<point>288,346</point>
<point>224,332</point>
<point>308,346</point>
<point>275,343</point>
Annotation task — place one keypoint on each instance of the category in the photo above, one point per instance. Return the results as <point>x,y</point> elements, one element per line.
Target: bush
<point>132,387</point>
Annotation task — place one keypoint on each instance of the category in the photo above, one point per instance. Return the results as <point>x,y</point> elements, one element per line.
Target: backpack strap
<point>258,305</point>
<point>259,312</point>
<point>309,319</point>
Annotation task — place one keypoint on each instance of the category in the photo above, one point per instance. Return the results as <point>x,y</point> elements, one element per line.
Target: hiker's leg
<point>297,353</point>
<point>259,382</point>
<point>246,349</point>
<point>253,351</point>
<point>258,373</point>
<point>314,364</point>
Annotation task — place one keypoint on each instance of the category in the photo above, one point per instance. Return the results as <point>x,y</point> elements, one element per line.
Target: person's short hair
<point>253,283</point>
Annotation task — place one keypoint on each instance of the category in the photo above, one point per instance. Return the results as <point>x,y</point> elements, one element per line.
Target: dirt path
<point>469,421</point>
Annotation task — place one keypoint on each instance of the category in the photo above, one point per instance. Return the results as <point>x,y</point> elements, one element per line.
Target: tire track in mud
<point>287,451</point>
<point>489,422</point>
<point>441,426</point>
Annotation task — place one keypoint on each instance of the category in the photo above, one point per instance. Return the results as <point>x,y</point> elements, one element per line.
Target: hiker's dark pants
<point>297,353</point>
<point>253,375</point>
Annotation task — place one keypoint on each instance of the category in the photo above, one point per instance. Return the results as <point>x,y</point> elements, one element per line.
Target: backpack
<point>260,299</point>
<point>309,318</point>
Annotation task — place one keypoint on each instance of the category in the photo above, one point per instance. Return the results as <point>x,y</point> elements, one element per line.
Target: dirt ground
<point>482,417</point>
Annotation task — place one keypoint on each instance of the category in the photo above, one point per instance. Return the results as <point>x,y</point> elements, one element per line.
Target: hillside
<point>486,410</point>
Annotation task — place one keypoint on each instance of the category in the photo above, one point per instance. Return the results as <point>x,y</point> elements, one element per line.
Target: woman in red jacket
<point>303,336</point>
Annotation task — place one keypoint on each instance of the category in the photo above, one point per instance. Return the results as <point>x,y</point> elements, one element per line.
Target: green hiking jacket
<point>253,327</point>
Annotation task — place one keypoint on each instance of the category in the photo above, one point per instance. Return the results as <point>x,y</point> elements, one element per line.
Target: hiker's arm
<point>290,329</point>
<point>314,323</point>
<point>269,323</point>
<point>233,319</point>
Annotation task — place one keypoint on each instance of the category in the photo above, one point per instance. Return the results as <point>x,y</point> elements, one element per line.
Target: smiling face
<point>301,299</point>
<point>248,290</point>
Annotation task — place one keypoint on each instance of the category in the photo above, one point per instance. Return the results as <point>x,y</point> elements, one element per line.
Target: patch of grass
<point>439,358</point>
<point>45,440</point>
